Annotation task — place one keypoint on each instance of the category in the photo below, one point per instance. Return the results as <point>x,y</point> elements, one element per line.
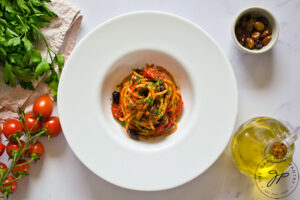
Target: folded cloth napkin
<point>61,35</point>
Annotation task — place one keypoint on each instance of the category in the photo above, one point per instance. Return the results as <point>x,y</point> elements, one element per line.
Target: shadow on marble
<point>259,69</point>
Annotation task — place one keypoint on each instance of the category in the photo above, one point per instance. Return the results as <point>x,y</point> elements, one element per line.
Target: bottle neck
<point>279,149</point>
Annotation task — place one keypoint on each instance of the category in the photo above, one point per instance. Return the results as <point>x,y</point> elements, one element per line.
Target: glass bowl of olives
<point>255,30</point>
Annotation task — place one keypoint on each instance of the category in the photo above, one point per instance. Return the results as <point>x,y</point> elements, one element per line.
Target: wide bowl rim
<point>235,92</point>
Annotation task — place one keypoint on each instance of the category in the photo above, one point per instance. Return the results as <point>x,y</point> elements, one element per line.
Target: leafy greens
<point>20,23</point>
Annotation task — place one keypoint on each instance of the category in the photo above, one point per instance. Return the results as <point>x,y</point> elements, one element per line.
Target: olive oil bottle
<point>260,139</point>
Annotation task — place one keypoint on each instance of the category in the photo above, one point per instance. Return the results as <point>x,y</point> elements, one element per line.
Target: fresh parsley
<point>20,23</point>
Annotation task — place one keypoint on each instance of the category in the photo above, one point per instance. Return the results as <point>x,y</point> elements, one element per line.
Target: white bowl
<point>102,59</point>
<point>261,12</point>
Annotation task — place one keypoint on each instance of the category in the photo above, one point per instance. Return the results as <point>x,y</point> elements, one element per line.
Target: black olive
<point>134,134</point>
<point>139,71</point>
<point>116,97</point>
<point>144,92</point>
<point>258,44</point>
<point>162,87</point>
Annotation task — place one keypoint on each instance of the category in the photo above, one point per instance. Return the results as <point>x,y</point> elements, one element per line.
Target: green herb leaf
<point>23,6</point>
<point>12,42</point>
<point>27,44</point>
<point>36,56</point>
<point>52,82</point>
<point>60,61</point>
<point>9,76</point>
<point>40,69</point>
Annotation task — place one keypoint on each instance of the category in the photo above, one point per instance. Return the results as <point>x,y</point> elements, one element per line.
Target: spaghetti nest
<point>148,103</point>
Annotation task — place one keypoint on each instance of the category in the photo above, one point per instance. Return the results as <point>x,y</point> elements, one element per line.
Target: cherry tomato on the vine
<point>37,148</point>
<point>13,146</point>
<point>43,106</point>
<point>31,121</point>
<point>13,185</point>
<point>11,126</point>
<point>2,148</point>
<point>20,170</point>
<point>3,166</point>
<point>53,126</point>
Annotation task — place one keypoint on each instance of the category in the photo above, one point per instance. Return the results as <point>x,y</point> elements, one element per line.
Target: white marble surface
<point>268,85</point>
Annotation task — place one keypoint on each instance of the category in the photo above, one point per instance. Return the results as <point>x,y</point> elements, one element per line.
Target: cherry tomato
<point>43,106</point>
<point>153,74</point>
<point>2,148</point>
<point>20,170</point>
<point>53,126</point>
<point>13,185</point>
<point>116,110</point>
<point>3,166</point>
<point>13,146</point>
<point>10,127</point>
<point>30,121</point>
<point>37,148</point>
<point>163,127</point>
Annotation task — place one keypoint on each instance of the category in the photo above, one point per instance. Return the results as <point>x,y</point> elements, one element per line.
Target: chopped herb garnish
<point>158,82</point>
<point>168,92</point>
<point>139,79</point>
<point>146,85</point>
<point>123,123</point>
<point>150,100</point>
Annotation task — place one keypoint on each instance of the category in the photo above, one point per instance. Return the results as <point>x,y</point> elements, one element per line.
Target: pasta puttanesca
<point>147,103</point>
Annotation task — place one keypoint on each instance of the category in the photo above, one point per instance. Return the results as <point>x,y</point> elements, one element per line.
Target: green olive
<point>255,35</point>
<point>259,26</point>
<point>250,43</point>
<point>266,40</point>
<point>250,25</point>
<point>266,33</point>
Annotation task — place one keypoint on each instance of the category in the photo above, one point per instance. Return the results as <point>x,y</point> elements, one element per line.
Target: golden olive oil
<point>250,142</point>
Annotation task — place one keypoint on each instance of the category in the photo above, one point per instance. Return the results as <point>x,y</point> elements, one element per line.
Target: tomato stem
<point>20,152</point>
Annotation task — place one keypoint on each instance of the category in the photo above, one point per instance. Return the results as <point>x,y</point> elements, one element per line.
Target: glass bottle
<point>260,139</point>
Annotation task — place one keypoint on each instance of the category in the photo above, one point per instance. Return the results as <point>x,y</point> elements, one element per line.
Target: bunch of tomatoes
<point>23,146</point>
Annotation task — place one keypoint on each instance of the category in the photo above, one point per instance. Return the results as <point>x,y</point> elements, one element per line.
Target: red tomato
<point>53,126</point>
<point>2,148</point>
<point>20,170</point>
<point>3,166</point>
<point>11,126</point>
<point>163,127</point>
<point>116,111</point>
<point>13,185</point>
<point>30,121</point>
<point>13,146</point>
<point>37,148</point>
<point>153,74</point>
<point>43,106</point>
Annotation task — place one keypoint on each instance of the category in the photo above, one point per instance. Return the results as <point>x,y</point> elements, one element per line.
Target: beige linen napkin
<point>61,35</point>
